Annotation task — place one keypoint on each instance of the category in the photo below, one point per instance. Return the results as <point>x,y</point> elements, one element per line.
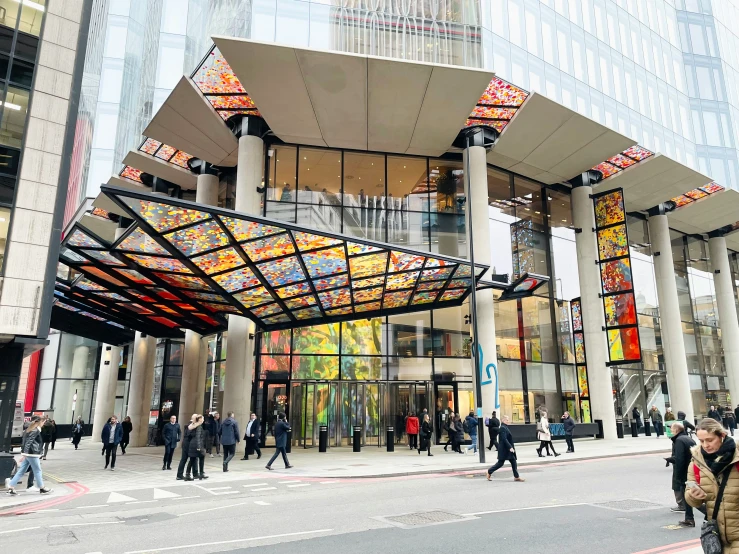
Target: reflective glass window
<point>13,123</point>
<point>319,176</point>
<point>283,174</point>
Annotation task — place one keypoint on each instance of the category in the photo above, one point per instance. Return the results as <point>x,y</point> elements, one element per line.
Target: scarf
<point>722,458</point>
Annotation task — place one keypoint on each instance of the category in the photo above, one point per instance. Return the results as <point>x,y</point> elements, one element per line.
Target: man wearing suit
<point>281,430</point>
<point>506,451</point>
<point>111,436</point>
<point>171,435</point>
<point>252,435</point>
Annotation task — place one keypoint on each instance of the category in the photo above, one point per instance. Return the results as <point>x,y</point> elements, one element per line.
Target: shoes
<point>489,477</point>
<point>212,456</point>
<point>519,479</point>
<point>164,467</point>
<point>677,509</point>
<point>268,467</point>
<point>180,478</point>
<point>187,478</point>
<point>106,467</point>
<point>259,456</point>
<point>33,489</point>
<point>288,467</point>
<point>45,490</point>
<point>244,458</point>
<point>548,454</point>
<point>112,469</point>
<point>12,492</point>
<point>430,454</point>
<point>445,450</point>
<point>557,455</point>
<point>686,523</point>
<point>225,468</point>
<point>539,453</point>
<point>169,468</point>
<point>203,477</point>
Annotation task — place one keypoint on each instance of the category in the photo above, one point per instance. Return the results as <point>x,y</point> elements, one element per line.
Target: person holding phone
<point>680,460</point>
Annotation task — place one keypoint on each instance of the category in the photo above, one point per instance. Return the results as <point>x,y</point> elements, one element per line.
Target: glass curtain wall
<point>217,349</point>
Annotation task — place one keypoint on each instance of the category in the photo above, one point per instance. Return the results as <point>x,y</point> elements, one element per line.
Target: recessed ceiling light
<point>305,158</point>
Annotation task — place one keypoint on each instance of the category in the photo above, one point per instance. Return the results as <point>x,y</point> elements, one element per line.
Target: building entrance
<point>447,401</point>
<point>271,400</point>
<point>314,405</point>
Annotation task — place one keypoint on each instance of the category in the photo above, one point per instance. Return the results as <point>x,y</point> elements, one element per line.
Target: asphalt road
<point>560,508</point>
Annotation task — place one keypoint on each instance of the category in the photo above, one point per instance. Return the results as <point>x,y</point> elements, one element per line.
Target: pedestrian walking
<point>544,435</point>
<point>426,434</point>
<point>728,416</point>
<point>569,424</point>
<point>493,428</point>
<point>216,428</point>
<point>171,435</point>
<point>506,450</point>
<point>31,449</point>
<point>687,425</point>
<point>281,430</point>
<point>208,433</point>
<point>252,436</point>
<point>229,437</point>
<point>736,413</point>
<point>47,432</point>
<point>680,460</point>
<point>656,418</point>
<point>450,431</point>
<point>53,435</point>
<point>636,416</point>
<point>111,436</point>
<point>127,427</point>
<point>669,416</point>
<point>196,450</point>
<point>470,427</point>
<point>713,414</point>
<point>184,457</point>
<point>102,450</point>
<point>713,481</point>
<point>458,434</point>
<point>77,432</point>
<point>411,429</point>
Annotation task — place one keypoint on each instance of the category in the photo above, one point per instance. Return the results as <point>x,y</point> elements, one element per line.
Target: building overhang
<point>701,217</point>
<point>159,168</point>
<point>550,143</point>
<point>352,101</point>
<point>653,181</point>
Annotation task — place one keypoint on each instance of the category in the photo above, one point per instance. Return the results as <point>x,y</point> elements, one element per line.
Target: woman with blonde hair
<point>544,435</point>
<point>713,481</point>
<point>31,448</point>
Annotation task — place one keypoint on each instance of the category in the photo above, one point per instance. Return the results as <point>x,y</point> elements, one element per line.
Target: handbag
<point>710,534</point>
<point>539,428</point>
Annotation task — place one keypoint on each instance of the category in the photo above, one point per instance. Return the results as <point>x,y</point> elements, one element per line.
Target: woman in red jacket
<point>411,429</point>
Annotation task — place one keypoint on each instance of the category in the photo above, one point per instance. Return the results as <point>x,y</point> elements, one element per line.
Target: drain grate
<point>629,505</point>
<point>421,519</point>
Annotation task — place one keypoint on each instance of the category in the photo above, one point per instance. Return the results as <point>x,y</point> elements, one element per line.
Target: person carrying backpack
<point>470,427</point>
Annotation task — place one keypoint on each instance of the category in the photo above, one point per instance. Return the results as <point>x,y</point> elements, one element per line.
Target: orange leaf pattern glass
<point>139,241</point>
<point>609,209</point>
<point>401,280</point>
<point>198,238</point>
<point>612,242</point>
<point>246,230</point>
<point>369,307</point>
<point>183,281</point>
<point>161,264</point>
<point>237,280</point>
<point>270,247</point>
<point>371,282</point>
<point>371,264</point>
<point>218,261</point>
<point>366,295</point>
<point>325,262</point>
<point>80,239</point>
<point>333,298</point>
<point>308,241</point>
<point>619,162</point>
<point>163,218</point>
<point>331,282</point>
<point>253,297</point>
<point>396,299</point>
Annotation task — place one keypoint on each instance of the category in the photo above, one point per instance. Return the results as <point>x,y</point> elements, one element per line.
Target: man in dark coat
<point>569,424</point>
<point>281,430</point>
<point>713,414</point>
<point>229,436</point>
<point>680,460</point>
<point>506,450</point>
<point>493,428</point>
<point>186,436</point>
<point>251,436</point>
<point>111,436</point>
<point>171,435</point>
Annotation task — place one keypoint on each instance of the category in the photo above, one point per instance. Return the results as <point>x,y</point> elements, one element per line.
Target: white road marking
<point>290,481</point>
<point>45,511</point>
<point>255,485</point>
<point>265,489</point>
<point>266,537</point>
<point>327,482</point>
<point>300,485</point>
<point>159,494</point>
<point>94,506</point>
<point>142,502</point>
<point>207,510</point>
<point>217,488</point>
<point>185,497</point>
<point>118,497</point>
<point>527,508</point>
<point>90,523</point>
<point>262,503</point>
<point>18,530</point>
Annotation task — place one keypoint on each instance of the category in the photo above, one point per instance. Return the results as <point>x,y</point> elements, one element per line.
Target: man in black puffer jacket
<point>680,460</point>
<point>186,436</point>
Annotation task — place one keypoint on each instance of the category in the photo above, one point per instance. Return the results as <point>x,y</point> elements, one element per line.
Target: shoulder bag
<point>710,534</point>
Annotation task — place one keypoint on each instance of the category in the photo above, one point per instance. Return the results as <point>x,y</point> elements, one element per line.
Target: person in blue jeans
<point>471,423</point>
<point>31,448</point>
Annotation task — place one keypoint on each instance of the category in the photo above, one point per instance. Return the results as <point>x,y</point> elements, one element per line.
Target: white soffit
<point>551,143</point>
<point>655,180</point>
<point>352,101</point>
<point>159,168</point>
<point>708,214</point>
<point>104,228</point>
<point>105,203</point>
<point>188,122</point>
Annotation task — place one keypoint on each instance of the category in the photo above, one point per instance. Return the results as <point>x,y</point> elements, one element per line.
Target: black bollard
<point>357,439</point>
<point>390,439</point>
<point>619,427</point>
<point>322,438</point>
<point>634,429</point>
<point>289,447</point>
<point>647,430</point>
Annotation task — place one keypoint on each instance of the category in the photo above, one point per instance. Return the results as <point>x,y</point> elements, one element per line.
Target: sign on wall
<point>580,360</point>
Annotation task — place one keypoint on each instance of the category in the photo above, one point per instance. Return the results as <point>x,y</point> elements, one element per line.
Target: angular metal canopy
<point>158,167</point>
<point>352,101</point>
<point>706,214</point>
<point>551,143</point>
<point>210,262</point>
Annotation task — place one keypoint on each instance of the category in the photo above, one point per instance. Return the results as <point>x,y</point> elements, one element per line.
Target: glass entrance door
<point>361,405</point>
<point>274,400</point>
<point>446,406</point>
<point>315,405</point>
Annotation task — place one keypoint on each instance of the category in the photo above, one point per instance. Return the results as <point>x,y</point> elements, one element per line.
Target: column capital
<point>721,231</point>
<point>587,179</point>
<point>476,136</point>
<point>248,125</point>
<point>157,184</point>
<point>201,167</point>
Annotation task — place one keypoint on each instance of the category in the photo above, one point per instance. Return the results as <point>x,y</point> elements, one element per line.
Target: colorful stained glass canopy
<point>619,162</point>
<point>165,152</point>
<point>697,194</point>
<point>220,86</point>
<point>497,106</point>
<point>210,262</point>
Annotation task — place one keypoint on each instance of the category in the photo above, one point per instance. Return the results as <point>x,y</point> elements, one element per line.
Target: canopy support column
<point>669,312</point>
<point>599,374</point>
<point>141,387</point>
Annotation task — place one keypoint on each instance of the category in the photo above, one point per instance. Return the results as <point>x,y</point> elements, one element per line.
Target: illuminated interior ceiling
<point>279,275</point>
<point>648,183</point>
<point>706,211</point>
<point>551,143</point>
<point>624,160</point>
<point>497,106</point>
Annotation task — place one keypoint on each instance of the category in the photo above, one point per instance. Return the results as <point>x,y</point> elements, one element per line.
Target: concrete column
<point>676,361</point>
<point>207,190</point>
<point>190,374</point>
<point>477,180</point>
<point>106,389</point>
<point>240,359</point>
<point>596,344</point>
<point>727,318</point>
<point>141,387</point>
<point>79,362</point>
<point>202,376</point>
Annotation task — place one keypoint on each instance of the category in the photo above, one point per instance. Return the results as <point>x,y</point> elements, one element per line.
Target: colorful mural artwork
<point>580,359</point>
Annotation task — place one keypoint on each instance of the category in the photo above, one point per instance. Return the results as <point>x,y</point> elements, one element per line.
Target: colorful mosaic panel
<point>225,114</point>
<point>150,146</point>
<point>622,161</point>
<point>435,262</point>
<point>163,217</point>
<point>325,262</point>
<point>356,248</point>
<point>281,318</point>
<point>396,299</point>
<point>218,261</point>
<point>576,315</point>
<point>165,152</point>
<point>609,208</point>
<point>66,306</point>
<point>103,256</point>
<point>231,102</point>
<point>459,283</point>
<point>269,247</point>
<point>301,302</point>
<point>331,282</point>
<point>502,93</point>
<point>463,271</point>
<point>112,296</point>
<point>181,159</point>
<point>623,344</point>
<point>166,295</point>
<point>160,264</point>
<point>620,309</point>
<point>452,294</point>
<point>400,261</point>
<point>487,112</point>
<point>334,298</point>
<point>369,307</point>
<point>612,242</point>
<point>282,272</point>
<point>86,284</point>
<point>248,230</point>
<point>371,282</point>
<point>433,285</point>
<point>202,296</point>
<point>681,201</point>
<point>365,295</point>
<point>73,256</point>
<point>495,124</point>
<point>308,241</point>
<point>579,348</point>
<point>135,276</point>
<point>401,280</point>
<point>199,238</point>
<point>82,240</point>
<point>166,309</point>
<point>209,320</point>
<point>131,173</point>
<point>183,281</point>
<point>606,169</point>
<point>139,241</point>
<point>221,308</point>
<point>187,307</point>
<point>425,297</point>
<point>436,274</point>
<point>216,76</point>
<point>365,266</point>
<point>310,313</point>
<point>712,188</point>
<point>616,275</point>
<point>253,297</point>
<point>140,296</point>
<point>696,194</point>
<point>100,274</point>
<point>138,308</point>
<point>237,280</point>
<point>339,311</point>
<point>164,321</point>
<point>266,310</point>
<point>638,153</point>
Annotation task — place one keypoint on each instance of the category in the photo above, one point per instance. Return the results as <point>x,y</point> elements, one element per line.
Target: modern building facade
<point>659,73</point>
